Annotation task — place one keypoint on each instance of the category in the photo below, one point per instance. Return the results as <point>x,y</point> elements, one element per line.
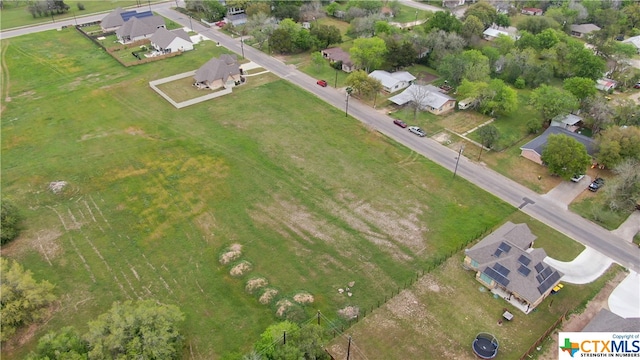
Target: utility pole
<point>190,23</point>
<point>318,317</point>
<point>335,83</point>
<point>346,109</point>
<point>458,160</point>
<point>242,45</point>
<point>349,348</point>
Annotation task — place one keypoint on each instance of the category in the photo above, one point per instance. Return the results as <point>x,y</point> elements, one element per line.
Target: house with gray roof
<point>635,41</point>
<point>118,17</point>
<point>392,82</point>
<point>430,98</point>
<point>219,72</point>
<point>570,122</point>
<point>583,29</point>
<point>533,149</point>
<point>136,29</point>
<point>506,263</point>
<point>337,54</point>
<point>165,41</point>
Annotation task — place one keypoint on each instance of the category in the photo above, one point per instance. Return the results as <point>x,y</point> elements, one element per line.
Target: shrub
<point>10,222</point>
<point>519,83</point>
<point>80,6</point>
<point>533,126</point>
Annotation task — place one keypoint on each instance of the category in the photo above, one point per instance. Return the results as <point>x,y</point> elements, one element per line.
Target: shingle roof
<point>113,19</point>
<point>505,257</point>
<point>337,54</point>
<point>540,142</point>
<point>584,28</point>
<point>215,69</point>
<point>163,37</point>
<point>495,32</point>
<point>135,27</point>
<point>635,40</point>
<point>390,79</point>
<point>428,95</point>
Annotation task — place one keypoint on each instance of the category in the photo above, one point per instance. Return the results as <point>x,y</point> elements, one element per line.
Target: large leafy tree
<point>142,330</point>
<point>441,44</point>
<point>10,220</point>
<point>498,98</point>
<point>65,344</point>
<point>580,87</point>
<point>400,55</point>
<point>600,112</point>
<point>362,83</point>
<point>488,134</point>
<point>584,63</point>
<point>302,343</point>
<point>617,144</point>
<point>326,34</point>
<point>483,11</point>
<point>23,300</point>
<point>214,10</point>
<point>472,27</point>
<point>471,65</point>
<point>623,191</point>
<point>368,53</point>
<point>551,101</point>
<point>443,20</point>
<point>565,156</point>
<point>536,24</point>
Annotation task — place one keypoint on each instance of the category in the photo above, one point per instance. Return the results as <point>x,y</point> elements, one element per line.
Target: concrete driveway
<point>625,299</point>
<point>585,268</point>
<point>628,229</point>
<point>566,191</point>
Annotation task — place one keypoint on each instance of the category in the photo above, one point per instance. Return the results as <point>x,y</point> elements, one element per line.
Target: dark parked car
<point>636,86</point>
<point>322,83</point>
<point>596,184</point>
<point>400,123</point>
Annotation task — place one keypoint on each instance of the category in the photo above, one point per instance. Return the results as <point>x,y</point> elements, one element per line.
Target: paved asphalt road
<point>534,205</point>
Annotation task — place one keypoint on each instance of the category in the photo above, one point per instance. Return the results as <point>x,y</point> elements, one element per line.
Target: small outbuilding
<point>583,29</point>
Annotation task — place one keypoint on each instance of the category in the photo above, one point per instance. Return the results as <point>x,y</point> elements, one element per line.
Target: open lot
<point>189,206</point>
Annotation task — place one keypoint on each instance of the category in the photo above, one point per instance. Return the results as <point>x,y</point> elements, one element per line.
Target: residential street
<point>531,203</point>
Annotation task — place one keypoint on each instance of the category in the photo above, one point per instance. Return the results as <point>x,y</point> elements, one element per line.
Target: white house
<point>165,41</point>
<point>392,82</point>
<point>429,97</point>
<point>493,32</point>
<point>583,29</point>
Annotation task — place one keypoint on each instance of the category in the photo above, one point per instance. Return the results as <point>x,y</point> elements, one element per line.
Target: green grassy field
<point>16,14</point>
<point>156,195</point>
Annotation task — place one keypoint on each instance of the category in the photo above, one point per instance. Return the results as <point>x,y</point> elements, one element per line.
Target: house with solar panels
<point>119,16</point>
<point>507,264</point>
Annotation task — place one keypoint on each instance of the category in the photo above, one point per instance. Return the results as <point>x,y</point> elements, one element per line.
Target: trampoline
<point>485,346</point>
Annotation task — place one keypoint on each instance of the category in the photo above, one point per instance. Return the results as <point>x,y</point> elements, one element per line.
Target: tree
<point>444,20</point>
<point>584,63</point>
<point>368,53</point>
<point>400,55</point>
<point>627,113</point>
<point>471,65</point>
<point>551,101</point>
<point>280,41</point>
<point>536,24</point>
<point>488,134</point>
<point>10,221</point>
<point>22,299</point>
<point>326,34</point>
<point>498,98</point>
<point>214,10</point>
<point>471,28</point>
<point>483,11</point>
<point>600,112</point>
<point>565,156</point>
<point>65,344</point>
<point>361,82</point>
<point>318,60</point>
<point>617,144</point>
<point>332,8</point>
<point>503,20</point>
<point>256,8</point>
<point>580,87</point>
<point>261,26</point>
<point>143,330</point>
<point>272,338</point>
<point>418,94</point>
<point>441,44</point>
<point>547,39</point>
<point>622,192</point>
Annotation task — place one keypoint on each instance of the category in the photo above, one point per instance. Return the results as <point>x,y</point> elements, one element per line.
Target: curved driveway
<point>531,203</point>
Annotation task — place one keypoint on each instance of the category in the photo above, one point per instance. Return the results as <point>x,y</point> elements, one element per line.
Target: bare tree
<point>419,94</point>
<point>600,112</point>
<point>622,192</point>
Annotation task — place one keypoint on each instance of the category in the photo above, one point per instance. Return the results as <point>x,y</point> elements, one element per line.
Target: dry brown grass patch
<point>241,268</point>
<point>303,298</point>
<point>283,305</point>
<point>255,284</point>
<point>233,253</point>
<point>268,295</point>
<point>349,312</point>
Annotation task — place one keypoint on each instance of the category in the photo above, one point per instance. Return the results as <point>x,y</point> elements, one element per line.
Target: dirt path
<point>577,322</point>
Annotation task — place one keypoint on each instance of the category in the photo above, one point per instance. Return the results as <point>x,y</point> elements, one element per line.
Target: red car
<point>636,86</point>
<point>221,23</point>
<point>400,123</point>
<point>322,83</point>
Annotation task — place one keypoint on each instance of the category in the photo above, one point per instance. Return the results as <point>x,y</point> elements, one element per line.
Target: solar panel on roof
<point>524,270</point>
<point>549,282</point>
<point>524,260</point>
<point>129,14</point>
<point>504,247</point>
<point>497,253</point>
<point>539,267</point>
<point>501,269</point>
<point>496,276</point>
<point>546,272</point>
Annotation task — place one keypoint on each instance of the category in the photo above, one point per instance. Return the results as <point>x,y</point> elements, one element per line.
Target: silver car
<point>416,130</point>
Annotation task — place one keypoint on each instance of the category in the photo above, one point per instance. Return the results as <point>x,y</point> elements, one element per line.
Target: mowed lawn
<point>155,195</point>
